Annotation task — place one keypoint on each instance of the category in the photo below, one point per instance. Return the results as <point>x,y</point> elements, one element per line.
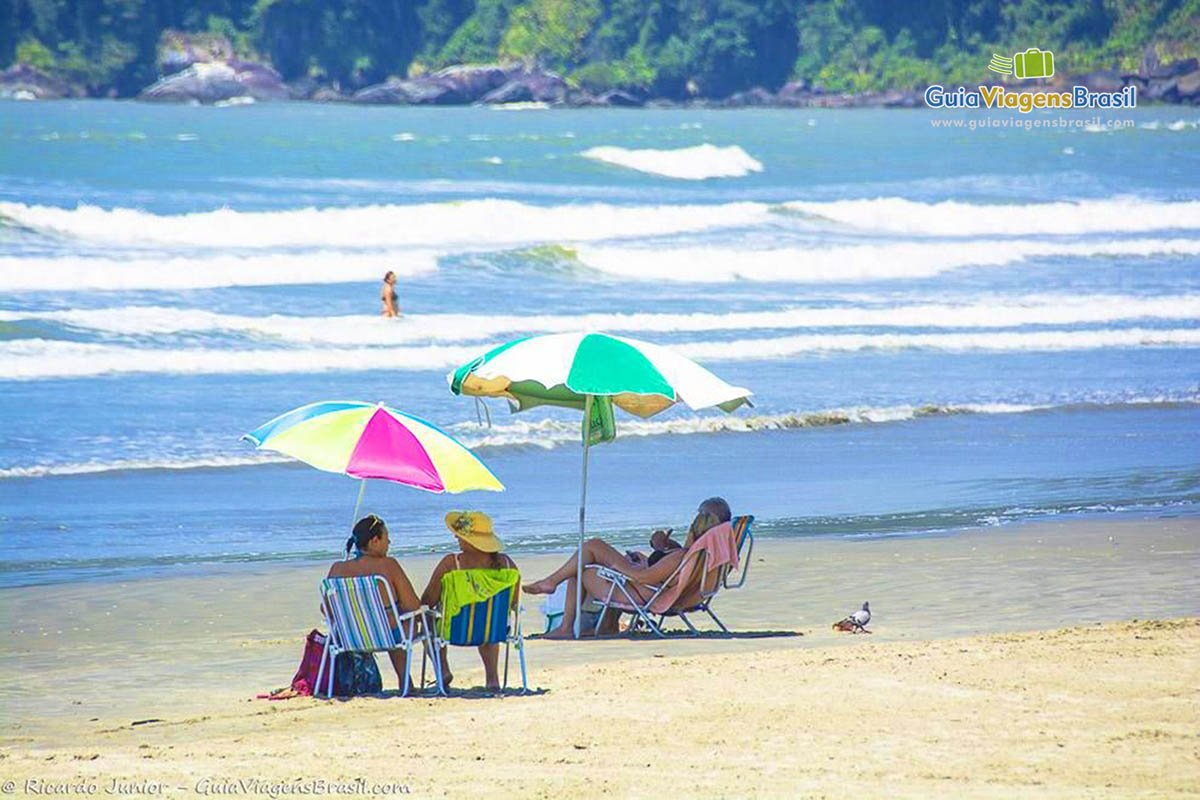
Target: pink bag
<point>305,680</point>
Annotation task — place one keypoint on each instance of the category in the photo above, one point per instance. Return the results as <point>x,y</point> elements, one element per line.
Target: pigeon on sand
<point>856,622</point>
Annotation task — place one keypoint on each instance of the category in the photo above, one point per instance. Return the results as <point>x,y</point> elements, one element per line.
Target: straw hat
<point>474,528</point>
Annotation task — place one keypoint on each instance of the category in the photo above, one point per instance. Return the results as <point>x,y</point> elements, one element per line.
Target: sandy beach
<point>1004,662</point>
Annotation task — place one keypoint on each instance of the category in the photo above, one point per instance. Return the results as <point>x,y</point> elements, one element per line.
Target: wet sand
<point>943,697</point>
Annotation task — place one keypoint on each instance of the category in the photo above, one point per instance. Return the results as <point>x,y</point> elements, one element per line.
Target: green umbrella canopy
<point>562,369</point>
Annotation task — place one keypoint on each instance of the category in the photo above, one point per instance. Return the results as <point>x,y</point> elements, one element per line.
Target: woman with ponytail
<point>366,554</point>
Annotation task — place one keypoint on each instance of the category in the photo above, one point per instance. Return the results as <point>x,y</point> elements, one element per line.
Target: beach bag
<point>356,674</point>
<point>305,680</point>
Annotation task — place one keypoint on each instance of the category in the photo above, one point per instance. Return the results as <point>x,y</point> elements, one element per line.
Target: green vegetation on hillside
<point>670,48</point>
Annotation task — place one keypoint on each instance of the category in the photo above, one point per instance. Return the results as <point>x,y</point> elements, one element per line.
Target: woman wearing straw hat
<point>479,548</point>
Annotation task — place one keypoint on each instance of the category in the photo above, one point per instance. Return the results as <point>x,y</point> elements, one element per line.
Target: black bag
<point>356,674</point>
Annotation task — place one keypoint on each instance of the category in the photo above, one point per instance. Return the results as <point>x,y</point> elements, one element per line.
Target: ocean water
<point>942,328</point>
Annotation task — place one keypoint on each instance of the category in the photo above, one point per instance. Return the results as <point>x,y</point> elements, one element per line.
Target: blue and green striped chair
<point>496,620</point>
<point>355,610</point>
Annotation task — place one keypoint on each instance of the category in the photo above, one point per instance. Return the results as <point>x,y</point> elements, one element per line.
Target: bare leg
<point>566,627</point>
<point>447,675</point>
<point>595,551</point>
<point>398,664</point>
<point>490,653</point>
<point>594,586</point>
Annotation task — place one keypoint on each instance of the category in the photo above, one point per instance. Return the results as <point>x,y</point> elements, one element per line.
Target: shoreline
<point>267,566</point>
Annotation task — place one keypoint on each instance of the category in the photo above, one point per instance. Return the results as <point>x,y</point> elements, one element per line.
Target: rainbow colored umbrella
<point>370,440</point>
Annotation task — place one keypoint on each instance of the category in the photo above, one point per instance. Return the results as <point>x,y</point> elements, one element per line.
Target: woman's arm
<point>406,596</point>
<point>659,572</point>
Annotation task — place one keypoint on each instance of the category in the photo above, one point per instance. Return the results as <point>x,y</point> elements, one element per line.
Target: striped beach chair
<point>496,620</point>
<point>745,547</point>
<point>355,610</point>
<point>620,598</point>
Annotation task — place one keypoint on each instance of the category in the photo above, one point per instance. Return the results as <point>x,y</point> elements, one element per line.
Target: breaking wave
<point>174,273</point>
<point>687,163</point>
<point>39,359</point>
<point>470,224</point>
<point>551,433</point>
<point>951,218</point>
<point>852,263</point>
<point>360,329</point>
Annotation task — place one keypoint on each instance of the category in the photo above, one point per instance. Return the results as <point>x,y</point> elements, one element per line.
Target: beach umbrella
<point>370,440</point>
<point>593,372</point>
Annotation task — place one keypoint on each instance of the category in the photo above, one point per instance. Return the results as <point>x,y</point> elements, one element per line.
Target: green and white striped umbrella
<point>563,369</point>
<point>593,372</point>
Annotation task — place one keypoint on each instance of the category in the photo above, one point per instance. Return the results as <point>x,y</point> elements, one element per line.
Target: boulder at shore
<point>23,82</point>
<point>457,85</point>
<point>213,82</point>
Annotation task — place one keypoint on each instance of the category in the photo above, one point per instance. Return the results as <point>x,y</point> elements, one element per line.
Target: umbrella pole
<point>587,440</point>
<point>362,490</point>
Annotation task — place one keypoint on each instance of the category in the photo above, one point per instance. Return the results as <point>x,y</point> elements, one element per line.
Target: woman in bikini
<point>478,549</point>
<point>369,543</point>
<point>387,296</point>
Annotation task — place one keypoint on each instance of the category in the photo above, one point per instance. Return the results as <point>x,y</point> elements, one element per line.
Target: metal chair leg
<point>321,670</point>
<point>717,620</point>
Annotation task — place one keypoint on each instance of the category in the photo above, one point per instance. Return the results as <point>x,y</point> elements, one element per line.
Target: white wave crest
<point>36,359</point>
<point>1041,341</point>
<point>551,433</point>
<point>951,218</point>
<point>688,163</point>
<point>471,224</point>
<point>121,465</point>
<point>363,329</point>
<point>112,274</point>
<point>852,263</point>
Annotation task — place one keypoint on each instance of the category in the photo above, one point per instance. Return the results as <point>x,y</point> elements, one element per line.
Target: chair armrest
<point>609,574</point>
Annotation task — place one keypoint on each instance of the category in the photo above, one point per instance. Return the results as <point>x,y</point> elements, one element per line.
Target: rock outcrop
<point>23,82</point>
<point>212,82</point>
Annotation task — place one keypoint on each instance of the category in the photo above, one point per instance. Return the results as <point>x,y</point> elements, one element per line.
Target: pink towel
<point>722,550</point>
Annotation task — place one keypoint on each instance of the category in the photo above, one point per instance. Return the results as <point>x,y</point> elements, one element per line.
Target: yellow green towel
<point>462,587</point>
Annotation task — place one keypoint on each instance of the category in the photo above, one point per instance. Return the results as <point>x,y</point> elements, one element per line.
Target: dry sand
<point>1103,709</point>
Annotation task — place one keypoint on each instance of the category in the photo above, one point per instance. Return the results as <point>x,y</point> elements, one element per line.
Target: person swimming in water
<point>387,296</point>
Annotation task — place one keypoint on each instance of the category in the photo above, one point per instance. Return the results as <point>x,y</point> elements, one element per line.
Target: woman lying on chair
<point>711,512</point>
<point>369,543</point>
<point>478,549</point>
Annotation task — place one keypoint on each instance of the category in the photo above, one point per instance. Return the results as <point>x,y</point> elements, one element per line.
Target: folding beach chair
<point>496,620</point>
<point>697,598</point>
<point>355,610</point>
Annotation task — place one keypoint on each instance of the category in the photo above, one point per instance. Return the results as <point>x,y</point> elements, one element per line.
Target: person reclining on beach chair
<point>473,575</point>
<point>706,567</point>
<point>369,543</point>
<point>644,578</point>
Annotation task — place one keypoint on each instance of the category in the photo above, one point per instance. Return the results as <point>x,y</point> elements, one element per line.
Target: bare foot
<point>561,632</point>
<point>544,586</point>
